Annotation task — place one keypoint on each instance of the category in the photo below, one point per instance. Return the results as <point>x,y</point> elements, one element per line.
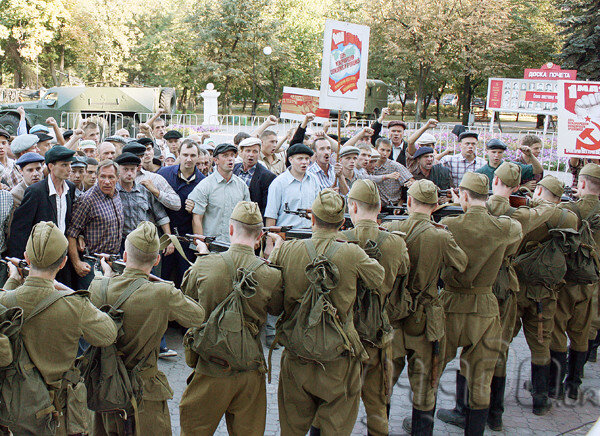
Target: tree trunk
<point>426,103</point>
<point>420,87</point>
<point>467,89</point>
<point>244,103</point>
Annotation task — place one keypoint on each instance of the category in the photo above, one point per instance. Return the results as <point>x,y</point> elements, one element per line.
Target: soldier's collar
<point>500,198</point>
<point>420,216</point>
<point>478,209</point>
<point>38,281</point>
<point>242,248</point>
<point>134,272</point>
<point>324,234</point>
<point>366,223</point>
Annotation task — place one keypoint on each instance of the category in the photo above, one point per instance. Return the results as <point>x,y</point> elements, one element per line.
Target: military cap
<point>247,212</point>
<point>39,128</point>
<point>464,135</point>
<point>145,141</point>
<point>364,190</point>
<point>591,169</point>
<point>43,136</point>
<point>173,134</point>
<point>28,158</point>
<point>145,237</point>
<point>329,206</point>
<point>495,144</point>
<point>67,134</point>
<point>87,144</point>
<point>421,151</point>
<point>4,133</point>
<point>46,244</point>
<point>59,153</point>
<point>134,147</point>
<point>424,191</point>
<point>127,158</point>
<point>347,150</point>
<point>509,173</point>
<point>298,148</point>
<point>115,138</point>
<point>23,142</point>
<point>476,182</point>
<point>552,184</point>
<point>426,138</point>
<point>249,142</point>
<point>224,148</point>
<point>79,162</point>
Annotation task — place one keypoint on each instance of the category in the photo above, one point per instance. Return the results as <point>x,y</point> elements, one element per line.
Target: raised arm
<point>417,134</point>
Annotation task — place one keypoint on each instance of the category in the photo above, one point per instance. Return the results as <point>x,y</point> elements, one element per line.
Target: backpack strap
<point>256,263</point>
<point>383,235</point>
<point>416,231</point>
<point>509,212</point>
<point>312,252</point>
<point>104,289</point>
<point>133,286</point>
<point>351,234</point>
<point>49,301</point>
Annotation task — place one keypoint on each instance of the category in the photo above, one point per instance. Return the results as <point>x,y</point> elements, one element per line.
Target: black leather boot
<point>475,423</point>
<point>558,370</point>
<point>496,409</point>
<point>539,389</point>
<point>457,416</point>
<point>422,422</point>
<point>314,431</point>
<point>593,348</point>
<point>576,361</point>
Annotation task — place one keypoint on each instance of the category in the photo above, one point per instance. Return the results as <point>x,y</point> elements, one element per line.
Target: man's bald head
<point>106,150</point>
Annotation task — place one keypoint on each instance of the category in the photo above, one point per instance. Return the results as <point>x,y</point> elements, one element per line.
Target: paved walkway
<point>518,419</point>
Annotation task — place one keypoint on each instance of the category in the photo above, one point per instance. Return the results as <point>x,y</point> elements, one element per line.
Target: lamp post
<point>267,51</point>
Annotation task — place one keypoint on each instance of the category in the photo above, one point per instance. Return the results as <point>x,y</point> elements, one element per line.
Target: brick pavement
<point>518,419</point>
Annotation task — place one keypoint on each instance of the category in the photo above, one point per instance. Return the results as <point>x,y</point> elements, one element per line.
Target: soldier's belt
<point>475,290</point>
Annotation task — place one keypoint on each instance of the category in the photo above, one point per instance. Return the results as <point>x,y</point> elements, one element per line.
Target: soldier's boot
<point>421,423</point>
<point>558,370</point>
<point>475,423</point>
<point>458,415</point>
<point>593,348</point>
<point>314,431</point>
<point>576,361</point>
<point>539,389</point>
<point>496,409</point>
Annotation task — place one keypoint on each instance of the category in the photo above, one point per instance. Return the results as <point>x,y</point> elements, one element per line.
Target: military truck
<point>376,98</point>
<point>119,107</point>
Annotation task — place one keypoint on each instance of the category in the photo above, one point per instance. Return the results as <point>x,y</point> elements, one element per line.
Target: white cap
<point>87,144</point>
<point>426,138</point>
<point>248,142</point>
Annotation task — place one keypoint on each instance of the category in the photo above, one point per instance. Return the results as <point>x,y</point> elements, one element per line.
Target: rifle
<point>21,265</point>
<point>115,262</point>
<point>394,210</point>
<point>303,213</point>
<point>210,241</point>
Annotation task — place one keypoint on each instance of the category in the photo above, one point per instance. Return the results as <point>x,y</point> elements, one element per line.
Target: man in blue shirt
<point>495,149</point>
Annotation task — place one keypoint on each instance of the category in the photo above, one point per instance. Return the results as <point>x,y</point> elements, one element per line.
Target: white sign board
<point>344,67</point>
<point>579,119</point>
<point>297,102</point>
<point>525,96</point>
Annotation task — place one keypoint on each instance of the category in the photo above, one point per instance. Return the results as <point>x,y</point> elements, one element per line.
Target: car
<point>449,100</point>
<point>119,106</point>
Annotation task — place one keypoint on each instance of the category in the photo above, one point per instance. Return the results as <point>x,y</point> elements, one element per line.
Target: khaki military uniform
<point>530,218</point>
<point>429,252</point>
<point>146,314</point>
<point>52,338</point>
<point>241,396</point>
<point>531,297</point>
<point>472,314</point>
<point>377,370</point>
<point>330,388</point>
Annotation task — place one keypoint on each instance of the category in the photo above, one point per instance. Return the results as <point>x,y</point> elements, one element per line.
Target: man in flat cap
<point>466,160</point>
<point>347,157</point>
<point>256,176</point>
<point>147,313</point>
<point>426,168</point>
<point>50,199</point>
<point>89,148</point>
<point>51,337</point>
<point>107,150</point>
<point>173,139</point>
<point>472,315</point>
<point>431,249</point>
<point>496,148</point>
<point>327,385</point>
<point>574,312</point>
<point>19,146</point>
<point>390,251</point>
<point>78,167</point>
<point>31,165</point>
<point>216,196</point>
<point>241,385</point>
<point>5,161</point>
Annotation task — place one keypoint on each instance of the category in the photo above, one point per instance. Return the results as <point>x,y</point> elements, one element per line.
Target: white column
<point>211,105</point>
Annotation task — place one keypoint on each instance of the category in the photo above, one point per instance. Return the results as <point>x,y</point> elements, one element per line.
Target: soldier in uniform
<point>537,304</point>
<point>146,314</point>
<point>574,312</point>
<point>52,336</point>
<point>431,248</point>
<point>306,386</point>
<point>472,314</point>
<point>364,205</point>
<point>242,395</point>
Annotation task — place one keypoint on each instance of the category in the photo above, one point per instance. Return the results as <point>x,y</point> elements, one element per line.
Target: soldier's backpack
<point>501,285</point>
<point>583,263</point>
<point>314,331</point>
<point>110,385</point>
<point>370,317</point>
<point>227,338</point>
<point>25,403</point>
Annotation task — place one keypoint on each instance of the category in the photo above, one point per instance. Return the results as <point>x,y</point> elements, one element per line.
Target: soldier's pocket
<point>436,322</point>
<point>78,415</point>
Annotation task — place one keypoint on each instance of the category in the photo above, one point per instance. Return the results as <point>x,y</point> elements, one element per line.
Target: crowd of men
<point>70,195</point>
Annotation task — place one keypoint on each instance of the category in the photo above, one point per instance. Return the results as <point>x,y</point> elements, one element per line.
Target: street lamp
<point>267,51</point>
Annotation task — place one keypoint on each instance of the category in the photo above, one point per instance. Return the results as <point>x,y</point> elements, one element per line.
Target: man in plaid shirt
<point>98,218</point>
<point>459,164</point>
<point>390,189</point>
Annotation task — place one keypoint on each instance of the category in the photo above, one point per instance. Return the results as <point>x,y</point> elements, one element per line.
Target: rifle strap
<point>133,286</point>
<point>48,301</point>
<point>165,240</point>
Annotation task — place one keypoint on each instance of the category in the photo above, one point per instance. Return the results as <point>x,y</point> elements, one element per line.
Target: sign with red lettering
<point>523,96</point>
<point>297,102</point>
<point>344,67</point>
<point>579,119</point>
<point>550,71</point>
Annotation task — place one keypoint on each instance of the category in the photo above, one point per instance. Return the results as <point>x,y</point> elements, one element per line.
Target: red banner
<point>495,101</point>
<point>544,97</point>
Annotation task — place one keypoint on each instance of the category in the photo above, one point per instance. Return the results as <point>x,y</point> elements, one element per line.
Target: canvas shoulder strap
<point>312,252</point>
<point>133,286</point>
<point>256,263</point>
<point>49,301</point>
<point>416,231</point>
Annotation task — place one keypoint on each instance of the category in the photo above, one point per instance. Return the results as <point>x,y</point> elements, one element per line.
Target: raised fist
<point>588,106</point>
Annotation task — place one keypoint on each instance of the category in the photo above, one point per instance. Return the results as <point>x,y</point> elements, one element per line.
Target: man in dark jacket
<point>256,176</point>
<point>50,199</point>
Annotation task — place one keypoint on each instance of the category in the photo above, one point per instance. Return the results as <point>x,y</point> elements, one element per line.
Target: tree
<point>581,29</point>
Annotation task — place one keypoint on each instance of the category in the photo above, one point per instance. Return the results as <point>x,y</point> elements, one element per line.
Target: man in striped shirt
<point>324,165</point>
